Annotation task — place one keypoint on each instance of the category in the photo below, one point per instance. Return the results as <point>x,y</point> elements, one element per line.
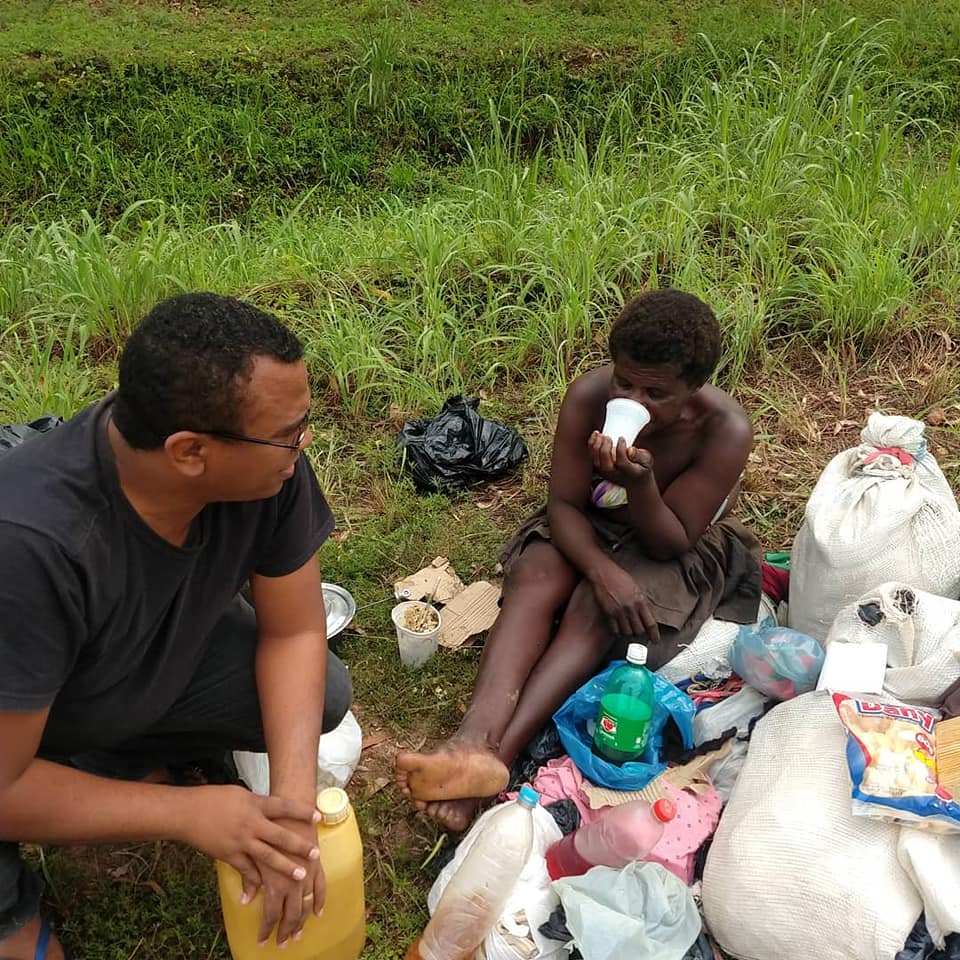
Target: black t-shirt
<point>102,618</point>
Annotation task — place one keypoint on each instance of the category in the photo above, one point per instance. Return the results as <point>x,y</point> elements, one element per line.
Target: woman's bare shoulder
<point>591,385</point>
<point>583,404</point>
<point>723,413</point>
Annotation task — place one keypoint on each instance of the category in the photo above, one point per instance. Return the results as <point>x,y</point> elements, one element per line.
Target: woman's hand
<point>624,465</point>
<point>625,604</point>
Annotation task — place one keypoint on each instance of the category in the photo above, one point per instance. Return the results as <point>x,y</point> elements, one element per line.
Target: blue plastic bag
<point>779,662</point>
<point>581,708</point>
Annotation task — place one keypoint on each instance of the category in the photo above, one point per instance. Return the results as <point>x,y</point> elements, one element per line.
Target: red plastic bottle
<point>617,837</point>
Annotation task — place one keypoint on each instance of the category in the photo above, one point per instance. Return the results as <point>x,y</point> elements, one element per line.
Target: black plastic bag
<point>13,434</point>
<point>566,815</point>
<point>458,447</point>
<point>555,928</point>
<point>919,945</point>
<point>543,747</point>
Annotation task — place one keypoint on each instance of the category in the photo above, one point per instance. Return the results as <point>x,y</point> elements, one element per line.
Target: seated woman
<point>634,544</point>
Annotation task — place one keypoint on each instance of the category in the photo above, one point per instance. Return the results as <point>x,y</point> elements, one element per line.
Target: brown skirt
<point>719,577</point>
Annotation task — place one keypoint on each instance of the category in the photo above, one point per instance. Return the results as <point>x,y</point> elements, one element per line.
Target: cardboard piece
<point>947,734</point>
<point>691,776</point>
<point>439,582</point>
<point>470,612</point>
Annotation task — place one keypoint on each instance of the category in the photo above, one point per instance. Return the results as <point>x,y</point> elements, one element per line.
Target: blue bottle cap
<point>528,796</point>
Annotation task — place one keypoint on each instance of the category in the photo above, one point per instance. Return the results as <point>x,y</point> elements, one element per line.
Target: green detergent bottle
<point>626,710</point>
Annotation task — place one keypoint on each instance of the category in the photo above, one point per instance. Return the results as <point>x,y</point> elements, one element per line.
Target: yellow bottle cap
<point>334,805</point>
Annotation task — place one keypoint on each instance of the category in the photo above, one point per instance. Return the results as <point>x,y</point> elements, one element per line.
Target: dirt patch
<point>808,406</point>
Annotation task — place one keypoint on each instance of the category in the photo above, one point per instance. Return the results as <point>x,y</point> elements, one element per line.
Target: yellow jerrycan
<point>341,931</point>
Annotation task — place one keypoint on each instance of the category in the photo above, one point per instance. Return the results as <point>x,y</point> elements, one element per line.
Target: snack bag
<point>892,758</point>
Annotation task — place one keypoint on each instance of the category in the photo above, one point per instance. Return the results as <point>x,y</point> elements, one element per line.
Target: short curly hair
<point>187,364</point>
<point>669,328</point>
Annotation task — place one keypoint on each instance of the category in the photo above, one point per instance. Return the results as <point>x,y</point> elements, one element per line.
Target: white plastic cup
<point>415,648</point>
<point>625,418</point>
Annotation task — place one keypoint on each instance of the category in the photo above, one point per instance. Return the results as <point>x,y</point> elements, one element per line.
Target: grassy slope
<point>169,32</point>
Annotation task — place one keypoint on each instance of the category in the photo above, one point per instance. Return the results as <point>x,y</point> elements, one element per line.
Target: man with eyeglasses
<point>126,536</point>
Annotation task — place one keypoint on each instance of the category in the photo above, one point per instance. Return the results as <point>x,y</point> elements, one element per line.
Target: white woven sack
<point>922,633</point>
<point>933,861</point>
<point>791,872</point>
<point>873,518</point>
<point>709,651</point>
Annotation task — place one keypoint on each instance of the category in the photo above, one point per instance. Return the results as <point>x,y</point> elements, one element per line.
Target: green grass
<point>804,197</point>
<point>37,32</point>
<point>444,197</point>
<point>106,104</point>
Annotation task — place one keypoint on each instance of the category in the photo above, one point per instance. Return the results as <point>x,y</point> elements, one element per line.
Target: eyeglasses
<point>296,445</point>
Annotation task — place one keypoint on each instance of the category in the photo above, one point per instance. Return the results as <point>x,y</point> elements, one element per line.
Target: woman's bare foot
<point>23,944</point>
<point>455,815</point>
<point>455,772</point>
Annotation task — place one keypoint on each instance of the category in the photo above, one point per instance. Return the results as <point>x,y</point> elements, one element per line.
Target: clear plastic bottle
<point>617,837</point>
<point>477,893</point>
<point>340,932</point>
<point>626,710</point>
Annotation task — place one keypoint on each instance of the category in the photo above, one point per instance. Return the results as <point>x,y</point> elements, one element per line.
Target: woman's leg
<point>582,644</point>
<point>539,584</point>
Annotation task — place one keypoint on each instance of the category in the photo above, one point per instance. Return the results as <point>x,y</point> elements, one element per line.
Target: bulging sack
<point>791,871</point>
<point>922,635</point>
<point>880,511</point>
<point>458,447</point>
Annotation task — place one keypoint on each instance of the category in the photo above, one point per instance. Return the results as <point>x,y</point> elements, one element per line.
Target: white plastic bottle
<point>477,893</point>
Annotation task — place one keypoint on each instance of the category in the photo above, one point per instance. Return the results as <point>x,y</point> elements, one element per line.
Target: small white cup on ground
<point>625,418</point>
<point>415,648</point>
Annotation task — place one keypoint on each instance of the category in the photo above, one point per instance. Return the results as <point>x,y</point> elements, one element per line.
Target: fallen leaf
<point>375,786</point>
<point>840,424</point>
<point>374,739</point>
<point>937,417</point>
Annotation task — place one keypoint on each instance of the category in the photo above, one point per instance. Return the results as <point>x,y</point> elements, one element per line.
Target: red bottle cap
<point>664,810</point>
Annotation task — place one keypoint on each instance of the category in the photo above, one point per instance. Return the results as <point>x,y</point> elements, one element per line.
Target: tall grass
<point>798,194</point>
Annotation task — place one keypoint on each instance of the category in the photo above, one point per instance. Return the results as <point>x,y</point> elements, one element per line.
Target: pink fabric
<point>697,814</point>
<point>697,817</point>
<point>560,779</point>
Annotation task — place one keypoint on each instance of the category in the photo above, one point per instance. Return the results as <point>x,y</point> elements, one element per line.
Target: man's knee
<point>339,693</point>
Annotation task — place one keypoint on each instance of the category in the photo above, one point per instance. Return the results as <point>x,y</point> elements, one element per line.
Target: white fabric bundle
<point>880,511</point>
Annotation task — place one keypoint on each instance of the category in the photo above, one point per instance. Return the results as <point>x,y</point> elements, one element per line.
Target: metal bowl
<point>340,607</point>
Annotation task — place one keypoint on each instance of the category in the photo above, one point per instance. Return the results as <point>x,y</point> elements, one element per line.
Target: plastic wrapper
<point>920,946</point>
<point>892,758</point>
<point>777,661</point>
<point>641,912</point>
<point>338,754</point>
